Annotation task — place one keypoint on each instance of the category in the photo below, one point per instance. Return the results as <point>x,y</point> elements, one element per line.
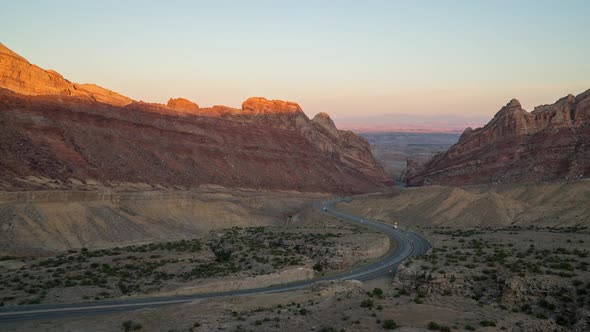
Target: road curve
<point>408,244</point>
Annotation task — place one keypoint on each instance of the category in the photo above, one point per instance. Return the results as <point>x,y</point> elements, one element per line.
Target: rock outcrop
<point>325,121</point>
<point>183,105</point>
<point>268,144</point>
<point>550,143</point>
<point>20,76</point>
<point>260,105</point>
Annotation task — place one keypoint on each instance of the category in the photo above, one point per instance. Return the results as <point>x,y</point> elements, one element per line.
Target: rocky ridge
<point>550,143</point>
<point>181,104</point>
<point>66,133</point>
<point>19,75</point>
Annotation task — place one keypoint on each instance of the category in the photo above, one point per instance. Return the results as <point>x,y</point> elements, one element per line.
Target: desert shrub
<point>130,325</point>
<point>545,304</point>
<point>389,324</point>
<point>318,267</point>
<point>541,315</point>
<point>487,323</point>
<point>378,292</point>
<point>368,303</point>
<point>328,329</point>
<point>436,327</point>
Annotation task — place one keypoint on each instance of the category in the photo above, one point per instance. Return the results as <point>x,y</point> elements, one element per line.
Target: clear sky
<point>415,60</point>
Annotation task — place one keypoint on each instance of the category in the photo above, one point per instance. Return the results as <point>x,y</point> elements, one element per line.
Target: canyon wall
<point>550,143</point>
<point>69,134</point>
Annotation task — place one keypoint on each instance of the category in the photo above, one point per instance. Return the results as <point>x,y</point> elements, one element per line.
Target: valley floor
<point>523,267</point>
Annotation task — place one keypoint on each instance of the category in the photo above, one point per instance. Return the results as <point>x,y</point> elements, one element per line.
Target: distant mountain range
<point>59,134</point>
<point>410,123</point>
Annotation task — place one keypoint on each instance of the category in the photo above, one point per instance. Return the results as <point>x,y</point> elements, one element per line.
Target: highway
<point>407,244</point>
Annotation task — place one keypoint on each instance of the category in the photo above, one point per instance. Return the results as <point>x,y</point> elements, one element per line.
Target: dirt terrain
<point>549,204</point>
<point>72,246</point>
<point>42,223</point>
<point>231,259</point>
<point>496,274</point>
<point>513,279</point>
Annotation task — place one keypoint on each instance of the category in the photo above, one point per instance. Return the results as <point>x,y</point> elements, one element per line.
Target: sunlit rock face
<point>181,104</point>
<point>260,105</point>
<point>550,143</point>
<point>20,76</point>
<point>53,129</point>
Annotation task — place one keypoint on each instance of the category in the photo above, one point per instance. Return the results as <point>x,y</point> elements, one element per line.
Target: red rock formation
<point>325,121</point>
<point>259,105</point>
<point>268,144</point>
<point>20,76</point>
<point>550,143</point>
<point>183,105</point>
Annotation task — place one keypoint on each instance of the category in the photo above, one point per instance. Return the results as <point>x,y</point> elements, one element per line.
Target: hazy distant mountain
<point>410,123</point>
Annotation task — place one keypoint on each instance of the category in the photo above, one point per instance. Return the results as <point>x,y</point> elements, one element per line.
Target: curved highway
<point>407,243</point>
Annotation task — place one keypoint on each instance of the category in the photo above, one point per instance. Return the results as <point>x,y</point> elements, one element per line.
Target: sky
<point>366,63</point>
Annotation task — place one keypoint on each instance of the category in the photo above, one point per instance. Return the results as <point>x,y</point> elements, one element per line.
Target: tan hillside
<point>41,222</point>
<point>549,204</point>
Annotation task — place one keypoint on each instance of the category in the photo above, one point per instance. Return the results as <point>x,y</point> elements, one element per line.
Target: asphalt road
<point>408,244</point>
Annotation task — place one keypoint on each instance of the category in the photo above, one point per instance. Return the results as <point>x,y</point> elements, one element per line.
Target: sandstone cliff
<point>20,76</point>
<point>181,104</point>
<point>50,128</point>
<point>550,143</point>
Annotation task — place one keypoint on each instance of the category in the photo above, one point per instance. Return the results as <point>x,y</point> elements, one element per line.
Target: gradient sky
<point>419,61</point>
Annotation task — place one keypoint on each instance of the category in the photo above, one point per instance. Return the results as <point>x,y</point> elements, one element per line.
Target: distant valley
<point>393,149</point>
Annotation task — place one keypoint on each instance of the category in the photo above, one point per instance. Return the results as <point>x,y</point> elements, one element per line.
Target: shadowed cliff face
<point>550,143</point>
<point>52,128</point>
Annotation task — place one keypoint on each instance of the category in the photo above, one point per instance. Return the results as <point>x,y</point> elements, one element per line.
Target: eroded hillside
<point>550,143</point>
<point>81,133</point>
<point>549,204</point>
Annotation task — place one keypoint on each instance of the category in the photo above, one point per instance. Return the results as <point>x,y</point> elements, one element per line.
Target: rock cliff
<point>53,129</point>
<point>181,104</point>
<point>550,143</point>
<point>20,76</point>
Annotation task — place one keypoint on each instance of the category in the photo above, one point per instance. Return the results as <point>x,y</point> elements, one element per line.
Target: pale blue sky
<point>347,58</point>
